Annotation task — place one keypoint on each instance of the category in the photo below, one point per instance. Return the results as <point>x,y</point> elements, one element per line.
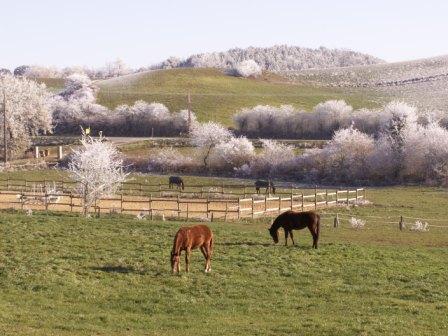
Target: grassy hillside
<point>53,84</point>
<point>421,82</point>
<point>216,96</point>
<point>65,275</point>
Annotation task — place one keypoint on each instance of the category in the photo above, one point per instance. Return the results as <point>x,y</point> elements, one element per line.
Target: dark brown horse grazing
<point>189,238</point>
<point>292,220</point>
<point>176,180</point>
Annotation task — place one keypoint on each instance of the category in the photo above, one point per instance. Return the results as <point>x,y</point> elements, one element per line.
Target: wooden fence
<point>208,202</point>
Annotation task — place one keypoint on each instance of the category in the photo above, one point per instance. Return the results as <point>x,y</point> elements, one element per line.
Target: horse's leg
<point>205,253</point>
<point>178,263</point>
<point>187,259</point>
<point>286,237</point>
<point>209,249</point>
<point>292,238</point>
<point>315,235</point>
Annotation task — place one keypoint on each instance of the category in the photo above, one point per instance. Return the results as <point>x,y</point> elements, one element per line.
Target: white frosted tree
<point>232,154</point>
<point>116,69</point>
<point>97,167</point>
<point>207,136</point>
<point>27,112</point>
<point>248,68</point>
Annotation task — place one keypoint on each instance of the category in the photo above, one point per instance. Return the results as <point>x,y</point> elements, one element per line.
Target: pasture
<point>216,96</point>
<point>61,274</point>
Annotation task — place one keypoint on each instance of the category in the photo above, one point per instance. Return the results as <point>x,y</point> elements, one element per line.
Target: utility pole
<point>189,110</point>
<point>5,144</point>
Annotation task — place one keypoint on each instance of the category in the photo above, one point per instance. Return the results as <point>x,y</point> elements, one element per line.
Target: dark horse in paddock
<point>176,180</point>
<point>264,184</point>
<point>189,238</point>
<point>292,220</point>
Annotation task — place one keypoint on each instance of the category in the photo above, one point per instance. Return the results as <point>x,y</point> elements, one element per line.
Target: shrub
<point>248,68</point>
<point>357,223</point>
<point>232,154</point>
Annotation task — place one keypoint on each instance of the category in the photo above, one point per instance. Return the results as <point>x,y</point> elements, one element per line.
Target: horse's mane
<point>277,223</point>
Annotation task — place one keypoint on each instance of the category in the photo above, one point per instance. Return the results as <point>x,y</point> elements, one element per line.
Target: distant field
<point>53,84</point>
<point>64,275</point>
<point>216,96</point>
<point>423,82</point>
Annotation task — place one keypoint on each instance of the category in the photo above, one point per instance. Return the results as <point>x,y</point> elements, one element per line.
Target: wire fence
<point>401,222</point>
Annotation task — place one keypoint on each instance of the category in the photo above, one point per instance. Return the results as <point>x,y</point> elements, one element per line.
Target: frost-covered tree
<point>27,112</point>
<point>75,106</point>
<point>344,158</point>
<point>115,69</point>
<point>273,158</point>
<point>4,71</point>
<point>21,70</point>
<point>402,119</point>
<point>426,154</point>
<point>207,136</point>
<point>171,160</point>
<point>232,154</point>
<point>248,68</point>
<point>277,58</point>
<point>98,170</point>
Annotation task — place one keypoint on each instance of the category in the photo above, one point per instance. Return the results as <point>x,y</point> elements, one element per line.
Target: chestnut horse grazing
<point>189,238</point>
<point>292,220</point>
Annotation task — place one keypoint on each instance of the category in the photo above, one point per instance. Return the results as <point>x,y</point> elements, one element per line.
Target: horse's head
<point>174,261</point>
<point>274,234</point>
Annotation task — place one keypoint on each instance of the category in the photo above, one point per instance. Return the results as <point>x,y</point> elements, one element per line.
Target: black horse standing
<point>176,180</point>
<point>264,184</point>
<point>292,220</point>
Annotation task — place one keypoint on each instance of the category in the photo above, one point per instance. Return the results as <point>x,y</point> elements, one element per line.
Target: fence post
<point>45,197</point>
<point>208,209</point>
<point>348,196</point>
<point>60,153</point>
<point>326,197</point>
<point>337,199</point>
<point>71,202</point>
<point>336,221</point>
<point>227,209</point>
<point>188,210</point>
<point>292,202</point>
<point>222,188</point>
<point>36,152</point>
<point>315,198</point>
<point>121,202</point>
<point>239,207</point>
<point>364,191</point>
<point>244,192</point>
<point>253,206</point>
<point>356,195</point>
<point>150,206</point>
<point>178,205</point>
<point>303,205</point>
<point>401,224</point>
<point>265,203</point>
<point>279,204</point>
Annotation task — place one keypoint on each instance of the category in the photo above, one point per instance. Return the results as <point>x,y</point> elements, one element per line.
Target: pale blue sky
<point>80,32</point>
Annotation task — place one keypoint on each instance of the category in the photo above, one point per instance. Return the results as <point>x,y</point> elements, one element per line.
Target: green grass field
<point>65,275</point>
<point>216,96</point>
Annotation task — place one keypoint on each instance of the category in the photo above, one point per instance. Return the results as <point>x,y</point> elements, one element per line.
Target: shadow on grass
<point>243,243</point>
<point>117,269</point>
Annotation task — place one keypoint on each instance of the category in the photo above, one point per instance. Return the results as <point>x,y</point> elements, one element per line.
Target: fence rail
<point>62,196</point>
